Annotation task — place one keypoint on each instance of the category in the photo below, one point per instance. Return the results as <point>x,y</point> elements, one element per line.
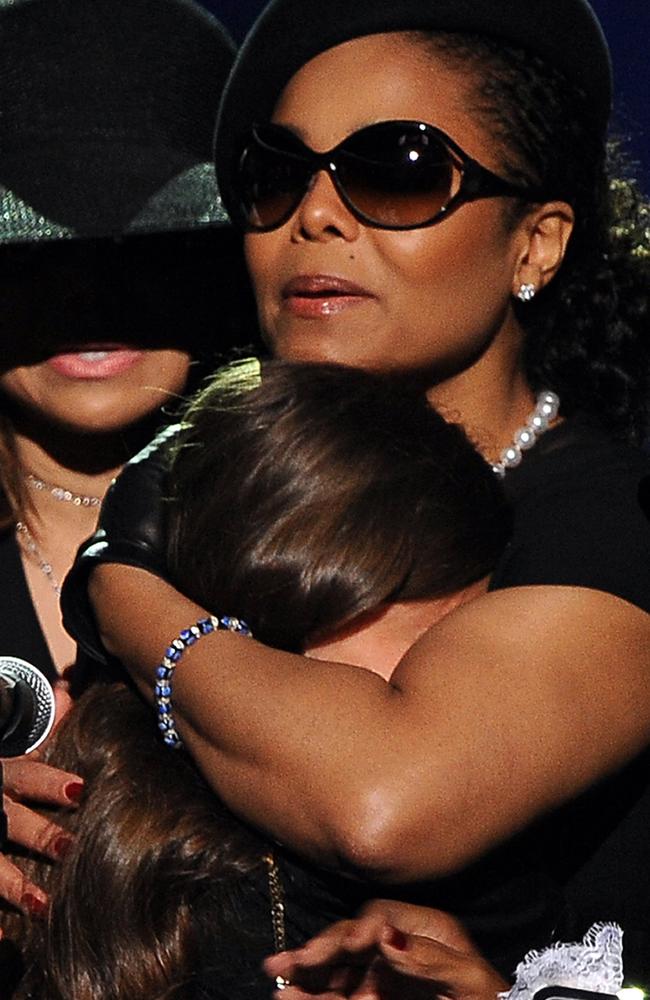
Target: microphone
<point>27,707</point>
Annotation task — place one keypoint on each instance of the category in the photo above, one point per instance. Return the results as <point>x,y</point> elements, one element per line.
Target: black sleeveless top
<point>20,630</point>
<point>582,518</point>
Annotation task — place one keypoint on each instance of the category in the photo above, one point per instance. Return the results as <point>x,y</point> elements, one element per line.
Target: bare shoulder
<point>530,695</point>
<point>570,629</point>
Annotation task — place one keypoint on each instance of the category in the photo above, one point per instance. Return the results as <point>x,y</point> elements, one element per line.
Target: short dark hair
<point>587,331</point>
<point>315,493</point>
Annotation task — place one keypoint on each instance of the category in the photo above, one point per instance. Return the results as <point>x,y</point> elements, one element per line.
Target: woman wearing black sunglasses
<point>424,188</point>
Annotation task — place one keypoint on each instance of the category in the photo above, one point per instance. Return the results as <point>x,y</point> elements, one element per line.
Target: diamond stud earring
<point>526,293</point>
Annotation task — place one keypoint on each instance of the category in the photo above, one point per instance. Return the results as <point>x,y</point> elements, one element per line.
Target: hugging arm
<point>509,706</point>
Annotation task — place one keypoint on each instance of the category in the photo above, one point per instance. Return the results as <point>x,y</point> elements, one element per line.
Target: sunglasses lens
<point>396,174</point>
<point>400,175</point>
<point>273,178</point>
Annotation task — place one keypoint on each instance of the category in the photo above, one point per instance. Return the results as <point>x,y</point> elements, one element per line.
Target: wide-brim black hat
<point>566,33</point>
<point>107,113</point>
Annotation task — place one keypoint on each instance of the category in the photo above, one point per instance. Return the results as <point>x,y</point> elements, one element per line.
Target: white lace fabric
<point>595,963</point>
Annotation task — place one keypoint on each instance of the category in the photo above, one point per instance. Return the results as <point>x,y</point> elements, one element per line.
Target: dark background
<point>627,26</point>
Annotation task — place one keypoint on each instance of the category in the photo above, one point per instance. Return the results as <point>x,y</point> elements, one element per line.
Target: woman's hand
<point>392,951</point>
<point>26,779</point>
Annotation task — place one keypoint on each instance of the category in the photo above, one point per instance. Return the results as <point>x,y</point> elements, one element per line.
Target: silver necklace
<point>547,406</point>
<point>28,542</point>
<point>61,493</point>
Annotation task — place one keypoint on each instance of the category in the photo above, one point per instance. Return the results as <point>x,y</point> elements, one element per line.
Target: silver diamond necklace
<point>29,544</point>
<point>61,493</point>
<point>27,540</point>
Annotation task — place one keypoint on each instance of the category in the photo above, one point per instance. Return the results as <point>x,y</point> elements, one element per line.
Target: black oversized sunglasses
<point>390,175</point>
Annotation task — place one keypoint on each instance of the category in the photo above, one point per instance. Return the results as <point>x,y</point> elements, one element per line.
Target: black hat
<point>566,33</point>
<point>107,111</point>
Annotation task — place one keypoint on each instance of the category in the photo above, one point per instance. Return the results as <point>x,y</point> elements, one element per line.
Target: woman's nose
<point>322,215</point>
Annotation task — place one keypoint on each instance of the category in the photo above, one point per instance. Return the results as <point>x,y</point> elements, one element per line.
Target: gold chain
<point>277,912</point>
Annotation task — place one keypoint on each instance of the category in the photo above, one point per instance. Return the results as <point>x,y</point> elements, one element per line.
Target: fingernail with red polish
<point>73,791</point>
<point>396,939</point>
<point>34,905</point>
<point>61,846</point>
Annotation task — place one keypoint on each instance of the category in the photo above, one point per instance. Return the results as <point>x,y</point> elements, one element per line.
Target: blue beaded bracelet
<point>171,659</point>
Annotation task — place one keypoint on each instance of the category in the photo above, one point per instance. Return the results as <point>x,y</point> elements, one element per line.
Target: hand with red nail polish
<point>429,955</point>
<point>27,780</point>
<point>34,905</point>
<point>73,791</point>
<point>392,951</point>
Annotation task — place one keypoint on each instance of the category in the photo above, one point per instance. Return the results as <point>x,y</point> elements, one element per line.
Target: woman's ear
<point>545,233</point>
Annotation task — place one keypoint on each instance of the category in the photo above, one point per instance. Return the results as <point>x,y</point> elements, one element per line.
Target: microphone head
<point>33,709</point>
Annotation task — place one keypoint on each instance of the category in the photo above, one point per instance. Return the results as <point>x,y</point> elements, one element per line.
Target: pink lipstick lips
<point>95,362</point>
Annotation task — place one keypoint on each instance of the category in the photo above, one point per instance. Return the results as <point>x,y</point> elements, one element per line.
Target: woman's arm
<point>509,706</point>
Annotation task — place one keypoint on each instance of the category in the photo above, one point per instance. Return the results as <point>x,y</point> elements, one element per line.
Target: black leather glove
<point>130,531</point>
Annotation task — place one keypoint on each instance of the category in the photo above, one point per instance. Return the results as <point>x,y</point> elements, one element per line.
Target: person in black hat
<point>114,250</point>
<point>424,186</point>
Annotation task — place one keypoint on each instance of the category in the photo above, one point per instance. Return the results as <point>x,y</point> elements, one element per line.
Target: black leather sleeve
<point>131,531</point>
